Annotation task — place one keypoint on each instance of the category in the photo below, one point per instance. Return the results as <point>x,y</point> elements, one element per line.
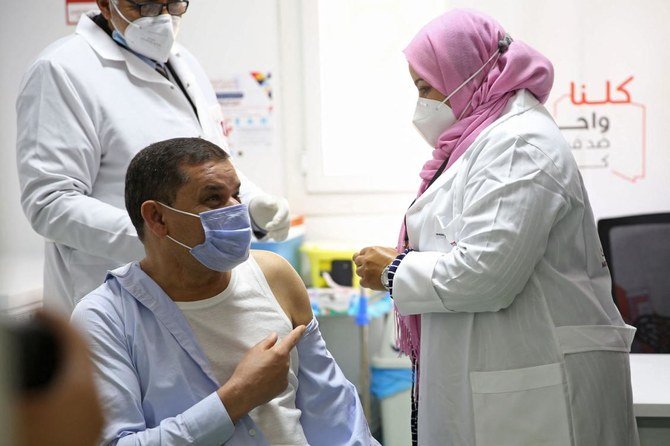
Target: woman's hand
<point>370,262</point>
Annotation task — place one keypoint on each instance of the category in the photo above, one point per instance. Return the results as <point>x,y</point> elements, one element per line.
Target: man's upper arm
<point>287,287</point>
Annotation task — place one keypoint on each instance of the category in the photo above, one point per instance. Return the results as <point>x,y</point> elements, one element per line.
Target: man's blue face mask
<point>227,237</point>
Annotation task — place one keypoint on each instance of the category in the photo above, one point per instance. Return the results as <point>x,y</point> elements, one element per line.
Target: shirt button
<point>252,432</point>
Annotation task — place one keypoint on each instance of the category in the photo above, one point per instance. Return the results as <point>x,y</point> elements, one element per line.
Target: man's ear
<point>103,6</point>
<point>152,214</point>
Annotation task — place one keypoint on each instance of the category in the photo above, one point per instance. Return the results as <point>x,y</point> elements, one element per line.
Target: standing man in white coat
<point>500,278</point>
<point>86,106</point>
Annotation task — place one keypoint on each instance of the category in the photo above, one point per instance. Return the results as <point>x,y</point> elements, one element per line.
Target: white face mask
<point>152,37</point>
<point>432,118</point>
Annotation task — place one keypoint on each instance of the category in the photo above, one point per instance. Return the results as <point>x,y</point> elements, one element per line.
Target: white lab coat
<point>86,106</point>
<point>521,342</point>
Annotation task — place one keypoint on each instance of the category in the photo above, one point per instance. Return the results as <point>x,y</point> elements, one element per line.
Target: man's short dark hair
<point>155,172</point>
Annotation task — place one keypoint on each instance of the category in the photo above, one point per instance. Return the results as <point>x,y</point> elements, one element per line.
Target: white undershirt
<point>229,324</point>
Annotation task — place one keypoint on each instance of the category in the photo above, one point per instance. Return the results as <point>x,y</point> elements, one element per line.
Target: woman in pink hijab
<point>502,294</point>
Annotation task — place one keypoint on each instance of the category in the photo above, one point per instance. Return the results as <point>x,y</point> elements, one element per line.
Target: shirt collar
<point>97,38</point>
<point>107,48</point>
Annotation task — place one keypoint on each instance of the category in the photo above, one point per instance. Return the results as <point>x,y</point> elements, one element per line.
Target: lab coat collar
<point>521,102</point>
<point>146,291</point>
<point>108,49</point>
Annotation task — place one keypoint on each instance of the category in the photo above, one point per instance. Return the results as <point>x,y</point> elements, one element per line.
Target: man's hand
<point>271,214</point>
<point>261,375</point>
<point>370,262</point>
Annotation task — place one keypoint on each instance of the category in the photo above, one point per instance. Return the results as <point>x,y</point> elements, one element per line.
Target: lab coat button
<point>252,432</point>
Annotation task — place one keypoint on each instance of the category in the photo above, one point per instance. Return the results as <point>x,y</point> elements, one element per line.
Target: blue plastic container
<point>288,249</point>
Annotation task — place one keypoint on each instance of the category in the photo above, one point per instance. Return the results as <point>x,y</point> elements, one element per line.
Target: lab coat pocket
<point>521,407</point>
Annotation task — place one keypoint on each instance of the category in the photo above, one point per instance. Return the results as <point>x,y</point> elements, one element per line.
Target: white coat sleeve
<point>58,157</point>
<point>510,204</point>
<point>204,423</point>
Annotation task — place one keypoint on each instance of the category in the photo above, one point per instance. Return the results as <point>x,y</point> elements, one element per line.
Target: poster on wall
<point>248,111</point>
<point>610,102</point>
<point>605,127</point>
<point>75,8</point>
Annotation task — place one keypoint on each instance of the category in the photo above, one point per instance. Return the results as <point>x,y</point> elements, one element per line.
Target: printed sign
<point>606,129</point>
<point>248,110</point>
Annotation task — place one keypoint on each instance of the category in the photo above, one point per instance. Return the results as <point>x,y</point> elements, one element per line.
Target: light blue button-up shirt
<point>157,386</point>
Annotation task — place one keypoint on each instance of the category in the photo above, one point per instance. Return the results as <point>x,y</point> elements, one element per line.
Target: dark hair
<point>155,172</point>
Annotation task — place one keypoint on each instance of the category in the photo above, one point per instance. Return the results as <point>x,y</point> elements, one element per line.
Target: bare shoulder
<point>287,286</point>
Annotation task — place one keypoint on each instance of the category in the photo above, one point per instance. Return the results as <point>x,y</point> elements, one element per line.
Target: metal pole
<point>365,371</point>
<point>364,374</point>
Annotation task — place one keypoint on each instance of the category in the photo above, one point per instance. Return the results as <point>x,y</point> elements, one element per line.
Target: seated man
<point>175,337</point>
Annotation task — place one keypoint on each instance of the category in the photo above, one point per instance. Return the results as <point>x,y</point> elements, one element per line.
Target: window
<point>358,95</point>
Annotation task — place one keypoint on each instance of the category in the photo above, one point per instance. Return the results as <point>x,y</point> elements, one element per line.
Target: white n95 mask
<point>152,37</point>
<point>432,118</point>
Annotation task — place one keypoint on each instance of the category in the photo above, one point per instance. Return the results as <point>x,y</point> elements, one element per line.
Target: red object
<point>75,8</point>
<point>621,301</point>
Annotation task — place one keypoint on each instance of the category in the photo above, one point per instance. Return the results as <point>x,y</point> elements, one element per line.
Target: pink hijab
<point>445,53</point>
